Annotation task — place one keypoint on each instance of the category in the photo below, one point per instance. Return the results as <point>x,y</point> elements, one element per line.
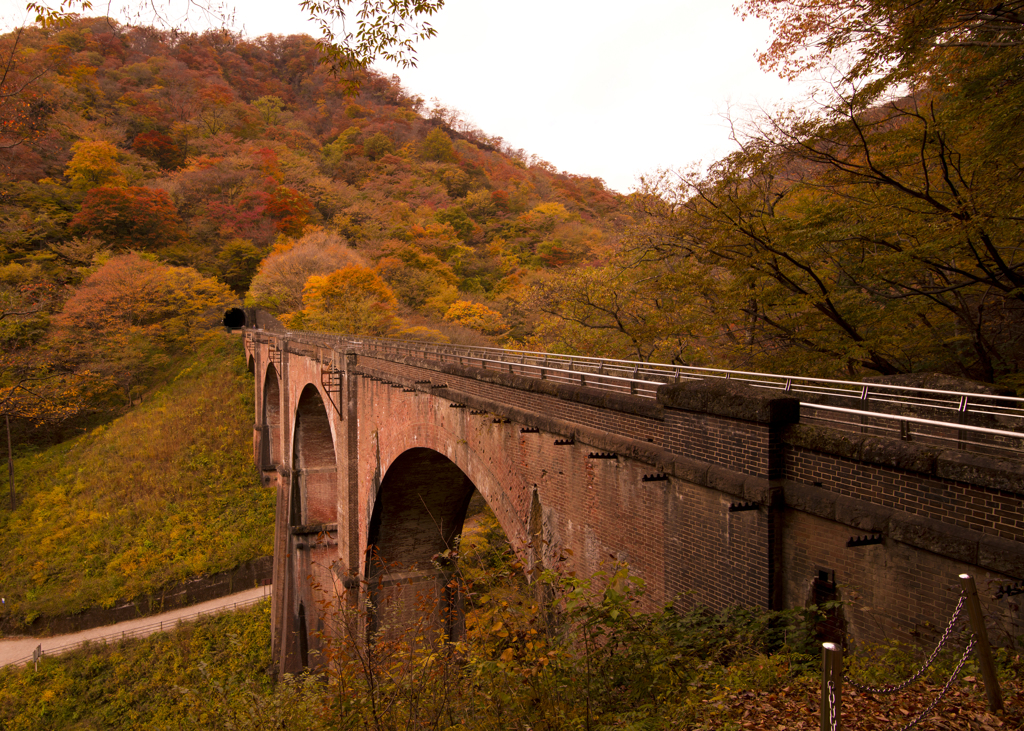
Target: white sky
<point>609,89</point>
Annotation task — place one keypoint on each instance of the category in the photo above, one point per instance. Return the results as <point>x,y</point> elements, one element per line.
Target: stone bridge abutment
<point>713,493</point>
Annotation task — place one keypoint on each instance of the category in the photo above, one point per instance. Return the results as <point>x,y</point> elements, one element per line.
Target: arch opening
<point>312,519</point>
<point>412,567</point>
<point>271,450</point>
<point>303,637</point>
<point>314,463</point>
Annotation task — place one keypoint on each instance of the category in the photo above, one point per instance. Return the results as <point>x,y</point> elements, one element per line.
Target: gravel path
<point>20,649</point>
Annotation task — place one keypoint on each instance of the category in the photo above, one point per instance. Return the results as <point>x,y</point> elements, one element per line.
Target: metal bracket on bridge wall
<point>564,442</point>
<point>330,380</point>
<point>602,455</point>
<point>657,477</point>
<point>742,507</point>
<point>1010,590</point>
<point>529,430</point>
<point>872,540</point>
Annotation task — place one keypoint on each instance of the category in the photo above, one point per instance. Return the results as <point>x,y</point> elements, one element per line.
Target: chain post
<point>831,686</point>
<point>988,668</point>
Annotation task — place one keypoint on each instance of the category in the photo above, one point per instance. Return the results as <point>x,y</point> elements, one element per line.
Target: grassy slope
<point>161,682</point>
<point>161,494</point>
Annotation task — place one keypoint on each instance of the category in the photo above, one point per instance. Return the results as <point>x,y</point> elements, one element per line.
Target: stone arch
<point>417,517</point>
<point>271,456</point>
<point>314,462</point>
<point>515,503</point>
<point>251,364</point>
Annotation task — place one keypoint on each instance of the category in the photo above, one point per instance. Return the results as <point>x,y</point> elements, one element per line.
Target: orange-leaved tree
<point>132,313</point>
<point>277,286</point>
<point>353,300</point>
<point>476,316</point>
<point>34,388</point>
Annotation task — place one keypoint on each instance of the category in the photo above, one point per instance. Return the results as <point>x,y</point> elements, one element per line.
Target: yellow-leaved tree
<point>353,300</point>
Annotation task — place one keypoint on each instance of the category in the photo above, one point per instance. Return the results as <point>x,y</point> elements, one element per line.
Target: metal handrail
<point>916,420</point>
<point>643,378</point>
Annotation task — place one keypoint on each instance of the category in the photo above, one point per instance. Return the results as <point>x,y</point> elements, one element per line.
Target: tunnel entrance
<point>234,318</point>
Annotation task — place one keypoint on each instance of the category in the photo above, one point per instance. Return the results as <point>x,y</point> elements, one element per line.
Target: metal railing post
<point>831,686</point>
<point>988,668</point>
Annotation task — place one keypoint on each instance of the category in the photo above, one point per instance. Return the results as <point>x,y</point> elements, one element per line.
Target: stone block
<point>731,399</point>
<point>938,538</point>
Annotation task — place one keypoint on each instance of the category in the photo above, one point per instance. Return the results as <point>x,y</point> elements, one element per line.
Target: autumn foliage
<point>129,217</point>
<point>352,300</point>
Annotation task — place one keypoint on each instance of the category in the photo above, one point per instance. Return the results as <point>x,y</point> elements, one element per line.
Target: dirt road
<point>19,649</point>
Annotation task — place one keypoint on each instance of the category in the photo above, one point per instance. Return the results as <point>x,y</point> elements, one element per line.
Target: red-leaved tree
<point>129,218</point>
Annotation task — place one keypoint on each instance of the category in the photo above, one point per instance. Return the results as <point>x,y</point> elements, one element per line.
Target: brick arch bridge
<point>715,492</point>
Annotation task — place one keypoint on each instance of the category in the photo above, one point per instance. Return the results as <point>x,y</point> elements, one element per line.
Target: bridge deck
<point>974,422</point>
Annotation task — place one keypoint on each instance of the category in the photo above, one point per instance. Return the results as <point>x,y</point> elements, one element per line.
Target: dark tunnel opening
<point>234,318</point>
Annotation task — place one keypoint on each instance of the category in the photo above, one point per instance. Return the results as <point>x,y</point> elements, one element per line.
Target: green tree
<point>238,260</point>
<point>269,109</point>
<point>378,146</point>
<point>437,146</point>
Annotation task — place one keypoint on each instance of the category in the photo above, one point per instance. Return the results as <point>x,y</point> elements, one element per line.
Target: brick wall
<point>890,591</point>
<point>985,509</point>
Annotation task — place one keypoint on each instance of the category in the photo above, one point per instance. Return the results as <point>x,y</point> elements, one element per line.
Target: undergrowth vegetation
<point>559,653</point>
<point>166,492</point>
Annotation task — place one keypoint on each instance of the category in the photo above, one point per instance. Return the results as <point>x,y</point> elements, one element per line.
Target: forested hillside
<point>151,179</point>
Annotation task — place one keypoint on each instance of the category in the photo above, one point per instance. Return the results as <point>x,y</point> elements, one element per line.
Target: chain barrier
<point>833,711</point>
<point>945,688</point>
<point>886,689</point>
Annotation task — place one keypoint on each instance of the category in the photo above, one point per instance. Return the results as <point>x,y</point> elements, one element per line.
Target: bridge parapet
<point>981,419</point>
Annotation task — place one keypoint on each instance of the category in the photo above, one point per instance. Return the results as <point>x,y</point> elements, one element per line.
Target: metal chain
<point>945,688</point>
<point>833,712</point>
<point>885,689</point>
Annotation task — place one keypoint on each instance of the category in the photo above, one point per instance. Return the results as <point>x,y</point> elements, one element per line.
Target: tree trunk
<point>10,458</point>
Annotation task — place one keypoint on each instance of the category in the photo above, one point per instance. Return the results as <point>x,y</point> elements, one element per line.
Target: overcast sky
<point>609,89</point>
